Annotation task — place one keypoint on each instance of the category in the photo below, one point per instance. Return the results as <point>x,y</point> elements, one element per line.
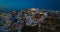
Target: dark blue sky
<point>25,4</point>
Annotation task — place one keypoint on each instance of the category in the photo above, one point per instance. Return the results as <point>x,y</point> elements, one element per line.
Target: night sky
<point>25,4</point>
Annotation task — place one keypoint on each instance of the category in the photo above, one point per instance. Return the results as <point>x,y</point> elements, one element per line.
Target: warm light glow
<point>5,17</point>
<point>33,9</point>
<point>32,13</point>
<point>39,26</point>
<point>28,11</point>
<point>41,13</point>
